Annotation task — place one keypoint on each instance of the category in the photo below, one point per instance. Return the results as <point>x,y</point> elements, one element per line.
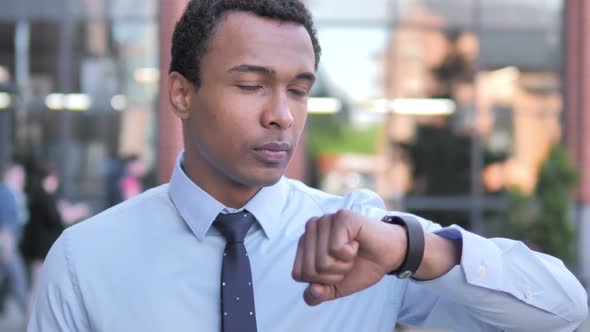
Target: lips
<point>273,152</point>
<point>274,146</point>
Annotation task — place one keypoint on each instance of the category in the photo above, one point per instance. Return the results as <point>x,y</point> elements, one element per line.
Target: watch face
<point>405,274</point>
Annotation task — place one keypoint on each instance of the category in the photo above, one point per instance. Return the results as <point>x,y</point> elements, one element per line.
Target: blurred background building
<point>79,82</point>
<point>470,112</point>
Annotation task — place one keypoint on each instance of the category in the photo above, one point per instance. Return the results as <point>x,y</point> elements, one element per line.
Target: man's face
<point>51,183</point>
<point>15,177</point>
<point>247,115</point>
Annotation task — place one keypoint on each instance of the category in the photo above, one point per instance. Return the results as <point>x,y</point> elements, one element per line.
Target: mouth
<point>273,152</point>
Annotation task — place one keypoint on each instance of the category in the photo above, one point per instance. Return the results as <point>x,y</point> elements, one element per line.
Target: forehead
<point>243,37</point>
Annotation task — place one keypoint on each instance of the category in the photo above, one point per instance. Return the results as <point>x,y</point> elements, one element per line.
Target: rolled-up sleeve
<point>500,285</point>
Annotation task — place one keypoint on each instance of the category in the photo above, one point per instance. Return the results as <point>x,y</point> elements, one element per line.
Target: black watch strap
<point>415,248</point>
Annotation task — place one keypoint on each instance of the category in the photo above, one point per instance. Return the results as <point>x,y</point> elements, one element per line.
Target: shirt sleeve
<point>57,304</point>
<point>500,285</point>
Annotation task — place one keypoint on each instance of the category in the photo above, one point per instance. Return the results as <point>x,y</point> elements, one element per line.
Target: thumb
<point>317,293</point>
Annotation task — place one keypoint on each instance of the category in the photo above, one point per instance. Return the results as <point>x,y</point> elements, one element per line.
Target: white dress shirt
<point>154,263</point>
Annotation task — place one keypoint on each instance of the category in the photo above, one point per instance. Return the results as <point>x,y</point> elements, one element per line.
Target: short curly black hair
<point>201,17</point>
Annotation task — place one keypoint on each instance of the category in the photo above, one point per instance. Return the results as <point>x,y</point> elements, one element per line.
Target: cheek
<point>208,111</point>
<point>299,112</point>
<point>221,122</point>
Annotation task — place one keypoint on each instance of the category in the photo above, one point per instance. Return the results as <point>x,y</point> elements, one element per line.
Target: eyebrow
<point>246,68</point>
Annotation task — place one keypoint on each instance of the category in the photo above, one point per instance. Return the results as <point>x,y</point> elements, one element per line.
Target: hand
<point>72,213</point>
<point>340,254</point>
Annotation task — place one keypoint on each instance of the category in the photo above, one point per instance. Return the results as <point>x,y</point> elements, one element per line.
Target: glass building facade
<point>80,84</point>
<point>464,98</point>
<point>446,103</point>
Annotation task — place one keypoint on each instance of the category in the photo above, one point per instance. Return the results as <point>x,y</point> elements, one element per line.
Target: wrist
<point>398,247</point>
<point>413,251</point>
<point>440,256</point>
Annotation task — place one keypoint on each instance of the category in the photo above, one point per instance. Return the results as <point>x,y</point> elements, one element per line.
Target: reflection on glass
<point>130,9</point>
<point>435,13</point>
<point>350,62</point>
<point>343,144</point>
<point>57,10</point>
<point>432,148</point>
<point>508,14</point>
<point>497,78</point>
<point>98,108</point>
<point>350,10</point>
<point>523,124</point>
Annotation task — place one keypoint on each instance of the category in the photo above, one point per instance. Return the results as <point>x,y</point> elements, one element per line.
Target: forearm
<point>451,304</point>
<point>440,256</point>
<point>502,283</point>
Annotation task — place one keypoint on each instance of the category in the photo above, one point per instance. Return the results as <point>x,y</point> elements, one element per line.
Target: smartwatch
<point>415,244</point>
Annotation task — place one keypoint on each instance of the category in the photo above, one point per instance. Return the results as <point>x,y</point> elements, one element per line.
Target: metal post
<point>66,169</point>
<point>22,45</point>
<point>476,153</point>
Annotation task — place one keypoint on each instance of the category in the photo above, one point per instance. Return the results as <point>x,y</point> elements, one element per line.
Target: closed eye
<point>249,87</point>
<point>298,93</point>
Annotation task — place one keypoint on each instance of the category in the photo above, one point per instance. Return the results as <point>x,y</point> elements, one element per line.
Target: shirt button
<point>483,271</point>
<point>528,295</point>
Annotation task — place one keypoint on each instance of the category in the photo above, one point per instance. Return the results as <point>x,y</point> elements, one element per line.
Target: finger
<point>298,264</point>
<point>325,262</point>
<point>310,254</point>
<point>309,249</point>
<point>323,238</point>
<point>298,274</point>
<point>326,279</point>
<point>342,239</point>
<point>317,293</point>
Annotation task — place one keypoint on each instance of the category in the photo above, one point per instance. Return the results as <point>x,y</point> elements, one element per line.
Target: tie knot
<point>234,226</point>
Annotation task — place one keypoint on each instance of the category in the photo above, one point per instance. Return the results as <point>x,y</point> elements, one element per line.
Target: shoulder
<point>124,222</point>
<point>6,197</point>
<point>4,192</point>
<point>357,200</point>
<point>119,240</point>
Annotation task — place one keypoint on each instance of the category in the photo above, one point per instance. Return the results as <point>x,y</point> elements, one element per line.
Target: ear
<point>180,92</point>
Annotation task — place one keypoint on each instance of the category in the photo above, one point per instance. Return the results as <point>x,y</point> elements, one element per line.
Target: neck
<point>225,190</point>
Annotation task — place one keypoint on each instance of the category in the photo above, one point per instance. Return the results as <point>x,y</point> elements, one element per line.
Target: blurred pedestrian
<point>13,216</point>
<point>114,169</point>
<point>130,184</point>
<point>15,180</point>
<point>48,218</point>
<point>46,223</point>
<point>124,178</point>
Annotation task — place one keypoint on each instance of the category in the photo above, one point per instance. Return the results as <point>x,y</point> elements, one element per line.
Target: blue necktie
<point>237,295</point>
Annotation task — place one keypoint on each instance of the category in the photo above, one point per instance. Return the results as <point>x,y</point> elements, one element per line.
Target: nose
<point>278,113</point>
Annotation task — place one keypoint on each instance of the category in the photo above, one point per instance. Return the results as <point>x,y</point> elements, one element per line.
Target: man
<point>230,244</point>
<point>13,216</point>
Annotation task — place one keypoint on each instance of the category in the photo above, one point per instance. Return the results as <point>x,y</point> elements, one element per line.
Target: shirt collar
<point>199,209</point>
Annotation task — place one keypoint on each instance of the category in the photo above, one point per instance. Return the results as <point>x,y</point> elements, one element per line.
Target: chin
<point>266,178</point>
<point>270,180</point>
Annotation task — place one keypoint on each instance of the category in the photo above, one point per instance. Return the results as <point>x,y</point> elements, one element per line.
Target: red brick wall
<point>169,127</point>
<point>577,90</point>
